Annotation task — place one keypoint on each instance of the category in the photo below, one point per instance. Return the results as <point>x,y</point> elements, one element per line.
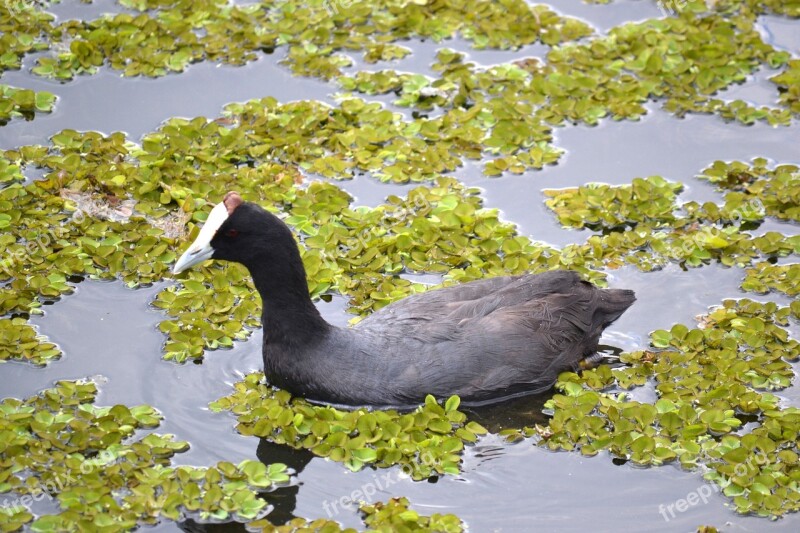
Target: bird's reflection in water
<point>529,409</point>
<point>513,413</point>
<point>282,500</point>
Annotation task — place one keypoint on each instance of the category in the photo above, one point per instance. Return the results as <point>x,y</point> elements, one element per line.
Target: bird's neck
<point>289,316</point>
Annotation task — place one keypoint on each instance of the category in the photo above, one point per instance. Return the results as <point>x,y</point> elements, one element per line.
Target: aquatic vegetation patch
<point>788,83</point>
<point>682,60</point>
<point>48,245</point>
<point>23,30</point>
<point>20,341</point>
<point>168,36</point>
<point>600,206</point>
<point>708,380</point>
<point>9,173</point>
<point>643,224</point>
<point>14,518</point>
<point>107,208</point>
<point>393,515</point>
<point>396,516</point>
<point>16,102</point>
<point>425,442</point>
<point>650,249</point>
<point>776,189</point>
<point>765,276</point>
<point>24,27</point>
<point>89,460</point>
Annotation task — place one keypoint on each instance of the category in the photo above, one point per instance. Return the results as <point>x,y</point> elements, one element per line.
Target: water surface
<point>109,331</point>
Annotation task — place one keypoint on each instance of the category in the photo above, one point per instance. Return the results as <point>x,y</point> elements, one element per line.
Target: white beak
<point>201,249</point>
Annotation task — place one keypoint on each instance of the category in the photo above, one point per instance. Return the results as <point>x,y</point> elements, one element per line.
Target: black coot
<point>483,340</point>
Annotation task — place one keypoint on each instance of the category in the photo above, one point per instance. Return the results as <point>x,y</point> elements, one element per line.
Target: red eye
<point>232,232</point>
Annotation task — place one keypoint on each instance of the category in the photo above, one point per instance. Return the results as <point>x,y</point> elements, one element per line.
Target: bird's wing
<point>437,314</point>
<point>522,346</point>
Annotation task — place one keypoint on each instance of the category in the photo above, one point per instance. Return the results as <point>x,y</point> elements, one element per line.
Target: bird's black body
<point>483,340</point>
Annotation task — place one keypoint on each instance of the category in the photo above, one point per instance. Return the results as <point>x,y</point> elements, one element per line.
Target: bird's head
<point>238,231</point>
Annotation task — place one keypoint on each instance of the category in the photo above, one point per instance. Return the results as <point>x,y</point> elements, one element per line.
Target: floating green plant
<point>425,442</point>
<point>16,102</point>
<point>708,379</point>
<point>9,173</point>
<point>788,83</point>
<point>166,37</point>
<point>764,277</point>
<point>604,206</point>
<point>19,341</point>
<point>393,515</point>
<point>59,445</point>
<point>14,518</point>
<point>110,209</point>
<point>644,225</point>
<point>24,29</point>
<point>776,189</point>
<point>675,60</point>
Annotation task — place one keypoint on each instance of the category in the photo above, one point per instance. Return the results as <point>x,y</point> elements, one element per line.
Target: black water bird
<point>485,340</point>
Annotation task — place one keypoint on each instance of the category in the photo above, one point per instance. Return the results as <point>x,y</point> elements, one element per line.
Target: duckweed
<point>111,208</point>
<point>599,206</point>
<point>425,442</point>
<point>777,189</point>
<point>16,102</point>
<point>643,225</point>
<point>103,474</point>
<point>707,379</point>
<point>393,515</point>
<point>20,341</point>
<point>764,277</point>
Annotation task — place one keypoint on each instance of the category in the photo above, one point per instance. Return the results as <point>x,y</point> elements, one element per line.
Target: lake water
<point>110,331</point>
